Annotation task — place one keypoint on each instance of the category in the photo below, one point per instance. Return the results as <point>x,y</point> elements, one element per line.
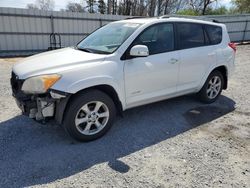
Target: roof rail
<point>136,17</point>
<point>173,15</point>
<point>164,16</point>
<point>185,16</point>
<point>215,21</point>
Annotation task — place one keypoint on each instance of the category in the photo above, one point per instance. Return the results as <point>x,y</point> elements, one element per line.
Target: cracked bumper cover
<point>51,104</point>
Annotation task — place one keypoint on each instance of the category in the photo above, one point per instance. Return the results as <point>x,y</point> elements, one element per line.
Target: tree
<point>200,6</point>
<point>243,6</point>
<point>159,7</point>
<point>109,7</point>
<point>142,8</point>
<point>114,6</point>
<point>32,6</point>
<point>218,11</point>
<point>162,7</point>
<point>189,12</point>
<point>134,5</point>
<point>45,4</point>
<point>233,10</point>
<point>125,7</point>
<point>90,5</point>
<point>42,5</point>
<point>166,7</point>
<point>152,6</point>
<point>101,6</point>
<point>74,7</point>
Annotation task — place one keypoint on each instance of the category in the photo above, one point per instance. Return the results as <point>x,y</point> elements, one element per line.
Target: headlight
<point>39,84</point>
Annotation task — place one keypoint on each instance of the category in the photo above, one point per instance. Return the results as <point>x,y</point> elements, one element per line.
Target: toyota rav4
<point>122,65</point>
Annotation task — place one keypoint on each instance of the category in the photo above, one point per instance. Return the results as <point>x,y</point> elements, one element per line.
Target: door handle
<point>173,60</point>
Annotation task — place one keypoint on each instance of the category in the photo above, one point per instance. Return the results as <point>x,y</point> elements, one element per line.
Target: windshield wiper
<point>92,50</point>
<point>85,49</point>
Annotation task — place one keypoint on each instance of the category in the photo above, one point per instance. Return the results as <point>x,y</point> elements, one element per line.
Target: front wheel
<point>212,87</point>
<point>89,116</point>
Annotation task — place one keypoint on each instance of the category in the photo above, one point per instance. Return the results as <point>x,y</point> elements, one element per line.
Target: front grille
<point>16,84</point>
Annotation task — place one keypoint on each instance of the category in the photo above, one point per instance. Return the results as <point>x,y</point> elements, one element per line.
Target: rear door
<point>195,53</point>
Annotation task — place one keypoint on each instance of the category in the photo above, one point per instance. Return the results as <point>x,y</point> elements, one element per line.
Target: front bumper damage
<point>41,107</point>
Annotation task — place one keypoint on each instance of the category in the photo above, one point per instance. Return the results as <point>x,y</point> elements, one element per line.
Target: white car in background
<point>122,65</point>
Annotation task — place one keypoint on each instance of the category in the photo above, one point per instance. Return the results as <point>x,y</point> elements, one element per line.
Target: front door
<point>155,76</point>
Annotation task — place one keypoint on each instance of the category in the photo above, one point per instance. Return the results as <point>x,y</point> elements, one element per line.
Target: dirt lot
<point>174,143</point>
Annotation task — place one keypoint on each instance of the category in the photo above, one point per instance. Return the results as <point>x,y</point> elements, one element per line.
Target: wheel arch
<point>223,70</point>
<point>107,89</point>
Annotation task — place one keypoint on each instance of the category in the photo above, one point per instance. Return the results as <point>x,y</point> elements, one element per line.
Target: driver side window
<point>158,38</point>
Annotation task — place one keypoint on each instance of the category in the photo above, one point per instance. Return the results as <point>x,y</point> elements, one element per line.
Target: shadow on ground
<point>36,154</point>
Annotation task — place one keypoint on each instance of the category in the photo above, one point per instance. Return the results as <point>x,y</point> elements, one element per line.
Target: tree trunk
<point>166,7</point>
<point>152,6</point>
<point>109,7</point>
<point>159,5</point>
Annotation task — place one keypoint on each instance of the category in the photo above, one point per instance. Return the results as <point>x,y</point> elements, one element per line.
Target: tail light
<point>232,45</point>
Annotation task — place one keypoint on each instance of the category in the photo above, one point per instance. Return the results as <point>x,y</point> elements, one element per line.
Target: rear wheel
<point>89,115</point>
<point>212,87</point>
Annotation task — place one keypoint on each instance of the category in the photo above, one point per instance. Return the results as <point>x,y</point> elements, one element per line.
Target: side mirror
<point>139,51</point>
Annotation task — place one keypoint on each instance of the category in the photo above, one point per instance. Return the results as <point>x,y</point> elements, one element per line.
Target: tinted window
<point>190,35</point>
<point>158,38</point>
<point>214,34</point>
<point>150,35</point>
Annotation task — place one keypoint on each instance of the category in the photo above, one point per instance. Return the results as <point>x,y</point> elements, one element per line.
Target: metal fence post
<point>52,23</point>
<point>100,21</point>
<point>52,35</point>
<point>244,33</point>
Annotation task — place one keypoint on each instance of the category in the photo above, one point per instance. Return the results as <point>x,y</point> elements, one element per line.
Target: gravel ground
<point>174,143</point>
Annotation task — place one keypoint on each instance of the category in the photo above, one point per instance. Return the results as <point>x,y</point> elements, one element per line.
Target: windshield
<point>108,38</point>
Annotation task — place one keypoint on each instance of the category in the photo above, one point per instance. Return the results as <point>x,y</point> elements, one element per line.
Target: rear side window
<point>214,33</point>
<point>190,35</point>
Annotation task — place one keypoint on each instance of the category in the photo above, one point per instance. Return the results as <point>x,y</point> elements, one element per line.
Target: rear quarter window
<point>214,33</point>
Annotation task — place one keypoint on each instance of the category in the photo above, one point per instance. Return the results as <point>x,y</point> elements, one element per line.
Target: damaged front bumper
<point>40,107</point>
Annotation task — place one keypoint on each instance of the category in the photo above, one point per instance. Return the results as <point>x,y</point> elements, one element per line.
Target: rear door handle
<point>173,60</point>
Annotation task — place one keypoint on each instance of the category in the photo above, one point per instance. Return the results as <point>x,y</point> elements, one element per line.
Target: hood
<point>55,62</point>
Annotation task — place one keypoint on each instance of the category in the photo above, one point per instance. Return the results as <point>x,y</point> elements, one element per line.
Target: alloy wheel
<point>214,87</point>
<point>92,118</point>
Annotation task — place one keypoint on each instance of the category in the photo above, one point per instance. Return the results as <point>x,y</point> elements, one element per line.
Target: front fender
<point>92,81</point>
<point>79,85</point>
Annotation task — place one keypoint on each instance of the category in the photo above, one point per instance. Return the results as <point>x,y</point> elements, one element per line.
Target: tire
<point>89,115</point>
<point>205,95</point>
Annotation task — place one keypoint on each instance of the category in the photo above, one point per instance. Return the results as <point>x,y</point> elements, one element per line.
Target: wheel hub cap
<point>92,118</point>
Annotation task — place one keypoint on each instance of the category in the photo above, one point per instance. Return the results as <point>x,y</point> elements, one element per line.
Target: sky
<point>61,4</point>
